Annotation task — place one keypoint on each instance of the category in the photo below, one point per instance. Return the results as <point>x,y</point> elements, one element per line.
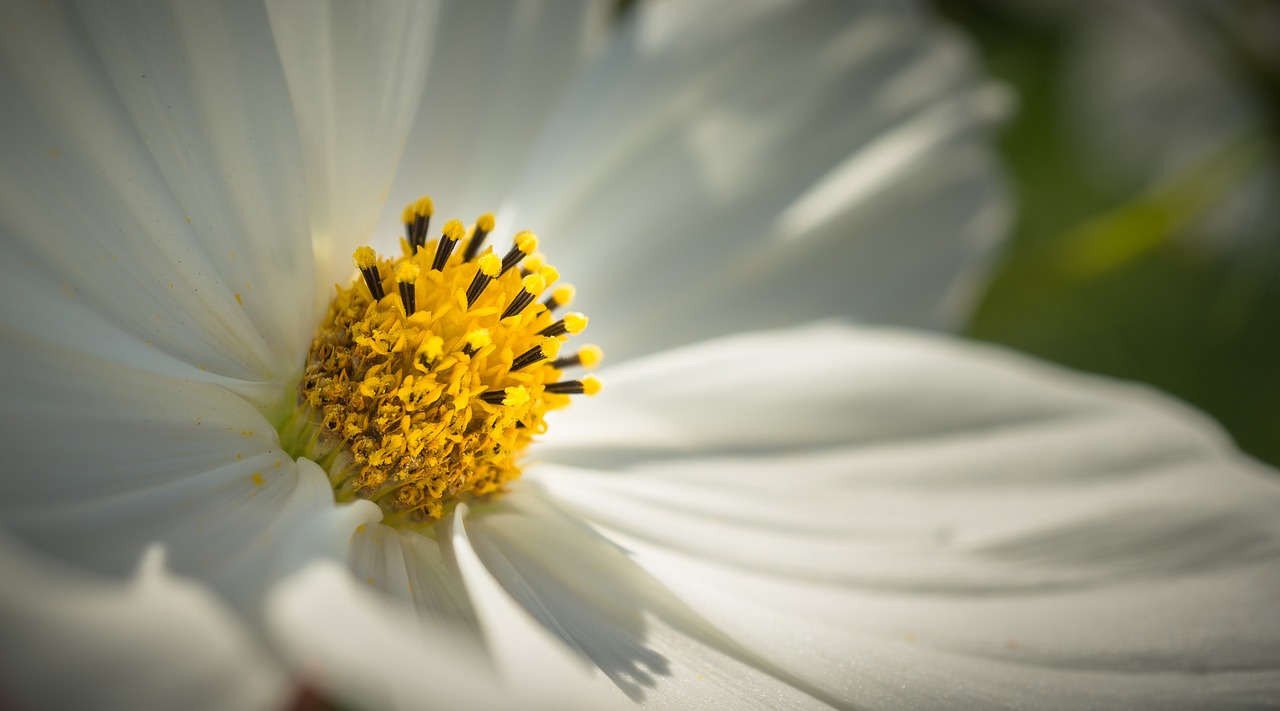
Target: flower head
<point>803,515</point>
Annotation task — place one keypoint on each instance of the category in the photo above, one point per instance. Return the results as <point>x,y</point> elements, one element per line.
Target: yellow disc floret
<point>424,401</point>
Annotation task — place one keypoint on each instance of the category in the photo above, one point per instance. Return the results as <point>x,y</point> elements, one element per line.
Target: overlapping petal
<point>728,166</point>
<point>942,525</point>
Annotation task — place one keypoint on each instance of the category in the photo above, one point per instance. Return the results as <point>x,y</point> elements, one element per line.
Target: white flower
<point>797,517</point>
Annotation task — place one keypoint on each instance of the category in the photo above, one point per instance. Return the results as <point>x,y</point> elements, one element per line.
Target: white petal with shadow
<point>149,189</point>
<point>411,568</point>
<point>155,641</point>
<point>793,161</point>
<point>903,520</point>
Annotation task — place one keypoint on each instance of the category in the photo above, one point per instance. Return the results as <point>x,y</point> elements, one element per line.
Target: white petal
<point>587,592</point>
<point>726,166</point>
<point>103,459</point>
<point>410,567</point>
<point>75,641</point>
<point>355,74</point>
<point>497,72</point>
<point>900,520</point>
<point>150,199</point>
<point>360,646</point>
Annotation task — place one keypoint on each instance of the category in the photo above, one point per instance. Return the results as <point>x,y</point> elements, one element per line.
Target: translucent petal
<point>899,520</point>
<point>497,72</point>
<point>355,73</point>
<point>729,166</point>
<point>148,200</point>
<point>411,568</point>
<point>356,646</point>
<point>73,640</point>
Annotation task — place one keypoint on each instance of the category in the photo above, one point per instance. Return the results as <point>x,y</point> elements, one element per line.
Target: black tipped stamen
<point>374,282</point>
<point>566,362</point>
<point>419,238</point>
<point>443,250</point>
<point>528,358</point>
<point>477,287</point>
<point>566,387</point>
<point>551,303</point>
<point>474,245</point>
<point>511,259</point>
<point>494,397</point>
<point>556,329</point>
<point>408,295</point>
<point>518,304</point>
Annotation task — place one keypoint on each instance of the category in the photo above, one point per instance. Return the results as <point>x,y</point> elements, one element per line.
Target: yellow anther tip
<point>454,231</point>
<point>575,322</point>
<point>408,214</point>
<point>549,274</point>
<point>535,262</point>
<point>590,385</point>
<point>517,396</point>
<point>407,272</point>
<point>424,206</point>
<point>485,222</point>
<point>526,242</point>
<point>534,284</point>
<point>479,338</point>
<point>550,347</point>
<point>564,293</point>
<point>490,264</point>
<point>590,356</point>
<point>364,257</point>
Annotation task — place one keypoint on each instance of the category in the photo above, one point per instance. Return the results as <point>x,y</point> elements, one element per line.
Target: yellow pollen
<point>407,272</point>
<point>424,401</point>
<point>535,262</point>
<point>365,257</point>
<point>563,294</point>
<point>550,347</point>
<point>575,322</point>
<point>454,231</point>
<point>516,397</point>
<point>534,284</point>
<point>590,356</point>
<point>478,339</point>
<point>490,264</point>
<point>526,242</point>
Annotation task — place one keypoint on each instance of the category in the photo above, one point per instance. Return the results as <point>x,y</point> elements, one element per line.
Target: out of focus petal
<point>72,640</point>
<point>729,166</point>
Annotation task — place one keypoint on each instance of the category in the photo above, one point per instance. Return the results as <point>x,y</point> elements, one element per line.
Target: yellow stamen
<point>364,257</point>
<point>575,323</point>
<point>561,296</point>
<point>419,408</point>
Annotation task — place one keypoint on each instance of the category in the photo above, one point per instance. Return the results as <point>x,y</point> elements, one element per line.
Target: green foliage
<point>1116,280</point>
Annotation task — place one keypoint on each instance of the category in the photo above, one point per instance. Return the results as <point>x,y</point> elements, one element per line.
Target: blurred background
<point>1145,156</point>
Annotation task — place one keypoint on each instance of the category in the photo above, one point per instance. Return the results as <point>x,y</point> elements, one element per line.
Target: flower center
<point>433,371</point>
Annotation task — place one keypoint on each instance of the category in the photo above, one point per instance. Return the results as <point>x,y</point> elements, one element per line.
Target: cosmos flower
<point>756,510</point>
